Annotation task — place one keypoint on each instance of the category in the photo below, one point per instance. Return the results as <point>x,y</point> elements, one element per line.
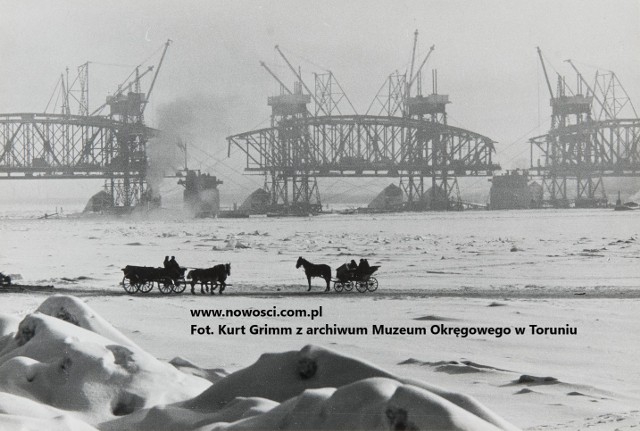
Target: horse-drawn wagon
<point>5,280</point>
<point>144,278</point>
<point>349,276</point>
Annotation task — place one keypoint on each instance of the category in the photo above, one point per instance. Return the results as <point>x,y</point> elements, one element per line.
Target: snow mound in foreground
<point>65,368</point>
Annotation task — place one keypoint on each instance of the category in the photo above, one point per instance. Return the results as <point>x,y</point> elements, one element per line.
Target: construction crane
<point>132,85</point>
<point>586,141</point>
<point>546,75</point>
<point>111,147</point>
<point>395,97</point>
<point>611,110</point>
<point>274,76</point>
<point>412,78</point>
<point>325,98</point>
<point>566,109</point>
<point>300,80</point>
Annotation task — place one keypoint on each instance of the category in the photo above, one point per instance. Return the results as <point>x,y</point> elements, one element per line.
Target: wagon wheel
<point>361,286</point>
<point>146,286</point>
<point>179,286</point>
<point>165,286</point>
<point>348,286</point>
<point>338,286</point>
<point>373,284</point>
<point>128,286</point>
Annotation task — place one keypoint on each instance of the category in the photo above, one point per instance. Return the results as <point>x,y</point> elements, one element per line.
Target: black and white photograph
<point>319,215</point>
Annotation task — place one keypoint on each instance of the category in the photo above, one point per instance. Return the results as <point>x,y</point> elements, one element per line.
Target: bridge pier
<point>295,193</point>
<point>443,195</point>
<point>589,188</point>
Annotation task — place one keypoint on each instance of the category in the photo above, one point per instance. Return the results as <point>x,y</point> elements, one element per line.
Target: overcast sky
<point>485,55</point>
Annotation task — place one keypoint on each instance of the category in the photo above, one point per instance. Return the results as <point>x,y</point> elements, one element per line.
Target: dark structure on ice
<point>100,202</point>
<point>201,195</point>
<point>257,203</point>
<point>513,191</point>
<point>389,199</point>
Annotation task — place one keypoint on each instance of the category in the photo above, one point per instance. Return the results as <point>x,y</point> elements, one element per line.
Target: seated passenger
<point>364,267</point>
<point>173,264</point>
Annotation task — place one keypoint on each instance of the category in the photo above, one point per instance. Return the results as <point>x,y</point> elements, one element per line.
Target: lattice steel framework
<point>48,146</point>
<point>608,148</point>
<point>367,146</point>
<point>406,137</point>
<point>112,147</point>
<point>330,98</point>
<point>587,140</point>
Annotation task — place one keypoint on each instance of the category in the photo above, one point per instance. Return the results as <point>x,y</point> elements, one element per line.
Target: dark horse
<point>214,276</point>
<point>312,270</point>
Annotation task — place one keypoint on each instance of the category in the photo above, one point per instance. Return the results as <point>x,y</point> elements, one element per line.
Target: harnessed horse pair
<point>210,278</point>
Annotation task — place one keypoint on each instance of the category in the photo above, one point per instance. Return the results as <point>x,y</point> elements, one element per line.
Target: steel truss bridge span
<point>609,148</point>
<point>363,145</point>
<point>70,146</point>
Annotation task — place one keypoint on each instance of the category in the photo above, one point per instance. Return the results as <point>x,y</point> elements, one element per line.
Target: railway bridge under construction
<point>404,134</point>
<point>316,132</point>
<point>594,134</point>
<point>427,157</point>
<point>85,145</point>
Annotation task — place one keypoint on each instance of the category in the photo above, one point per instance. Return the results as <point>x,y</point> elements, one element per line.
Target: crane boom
<point>422,65</point>
<point>413,54</point>
<point>282,84</point>
<point>155,76</point>
<point>124,86</point>
<point>595,96</point>
<point>300,79</point>
<point>544,69</point>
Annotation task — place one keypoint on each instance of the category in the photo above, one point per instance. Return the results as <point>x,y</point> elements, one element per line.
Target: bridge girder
<point>365,145</point>
<point>48,146</point>
<point>68,145</point>
<point>606,148</point>
<point>585,153</point>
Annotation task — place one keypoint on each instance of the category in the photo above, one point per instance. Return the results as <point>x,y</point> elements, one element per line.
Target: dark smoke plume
<point>199,120</point>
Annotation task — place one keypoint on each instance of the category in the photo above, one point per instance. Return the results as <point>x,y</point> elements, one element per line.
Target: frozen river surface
<point>538,253</point>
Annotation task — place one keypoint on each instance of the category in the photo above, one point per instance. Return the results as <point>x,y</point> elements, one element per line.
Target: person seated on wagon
<point>173,269</point>
<point>166,263</point>
<point>363,267</point>
<point>173,263</point>
<point>343,271</point>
